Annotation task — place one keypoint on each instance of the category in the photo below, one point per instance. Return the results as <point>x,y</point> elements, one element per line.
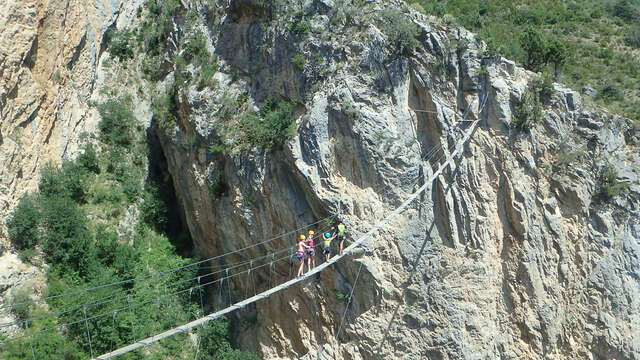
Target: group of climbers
<point>305,249</point>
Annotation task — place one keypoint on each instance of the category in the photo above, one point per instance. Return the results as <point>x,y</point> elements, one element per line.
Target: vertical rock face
<point>510,254</point>
<point>49,53</point>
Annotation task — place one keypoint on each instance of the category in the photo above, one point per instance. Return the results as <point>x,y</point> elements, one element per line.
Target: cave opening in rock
<point>175,226</point>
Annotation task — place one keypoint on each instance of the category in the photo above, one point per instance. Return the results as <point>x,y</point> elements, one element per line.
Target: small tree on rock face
<point>23,225</point>
<point>526,111</point>
<point>399,29</point>
<point>535,46</point>
<point>609,184</point>
<point>557,54</point>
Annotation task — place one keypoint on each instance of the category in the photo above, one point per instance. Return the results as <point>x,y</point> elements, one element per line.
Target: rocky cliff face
<point>49,52</point>
<point>510,254</point>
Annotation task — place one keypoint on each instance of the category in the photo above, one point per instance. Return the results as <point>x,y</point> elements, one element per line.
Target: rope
<point>111,296</point>
<point>430,154</point>
<point>308,275</point>
<point>168,271</point>
<point>86,322</point>
<point>353,288</point>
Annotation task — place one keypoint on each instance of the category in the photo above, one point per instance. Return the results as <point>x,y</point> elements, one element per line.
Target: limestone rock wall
<point>49,53</point>
<point>509,255</point>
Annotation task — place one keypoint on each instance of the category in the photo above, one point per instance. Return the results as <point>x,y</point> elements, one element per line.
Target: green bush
<point>534,44</point>
<point>120,44</point>
<point>215,342</point>
<point>28,256</point>
<point>24,308</point>
<point>196,48</point>
<point>299,26</point>
<point>632,38</point>
<point>350,110</point>
<point>66,238</point>
<point>152,34</point>
<point>557,54</point>
<point>218,186</point>
<point>625,10</point>
<point>567,153</point>
<point>164,108</point>
<point>131,188</point>
<point>543,86</point>
<point>118,121</point>
<point>610,93</point>
<point>153,209</point>
<point>89,160</point>
<point>298,60</point>
<point>271,129</point>
<point>121,258</point>
<point>609,185</point>
<point>206,73</point>
<point>23,224</point>
<point>400,30</point>
<point>526,111</point>
<point>69,181</point>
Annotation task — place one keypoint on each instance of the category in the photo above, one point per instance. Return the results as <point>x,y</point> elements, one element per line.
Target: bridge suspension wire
<point>85,319</point>
<point>111,296</point>
<point>163,272</point>
<point>359,242</point>
<point>271,261</point>
<point>156,299</point>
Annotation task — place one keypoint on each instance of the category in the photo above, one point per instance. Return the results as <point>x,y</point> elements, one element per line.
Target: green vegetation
<point>218,186</point>
<point>116,126</point>
<point>23,225</point>
<point>298,60</point>
<point>526,110</point>
<point>214,340</point>
<point>350,110</point>
<point>400,30</point>
<point>120,43</point>
<point>299,26</point>
<point>272,127</point>
<point>608,182</point>
<point>76,222</point>
<point>584,43</point>
<point>164,108</point>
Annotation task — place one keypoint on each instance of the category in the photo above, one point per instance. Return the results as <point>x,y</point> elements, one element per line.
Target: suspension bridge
<point>224,275</point>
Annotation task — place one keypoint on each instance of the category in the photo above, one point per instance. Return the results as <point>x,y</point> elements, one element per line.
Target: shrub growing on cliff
<point>400,30</point>
<point>534,44</point>
<point>120,44</point>
<point>568,152</point>
<point>66,239</point>
<point>68,181</point>
<point>89,159</point>
<point>298,60</point>
<point>23,225</point>
<point>116,126</point>
<point>609,185</point>
<point>215,342</point>
<point>526,111</point>
<point>164,108</point>
<point>271,129</point>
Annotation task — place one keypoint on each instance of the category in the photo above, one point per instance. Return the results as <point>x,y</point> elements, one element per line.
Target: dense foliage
<point>272,127</point>
<point>399,29</point>
<point>586,43</point>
